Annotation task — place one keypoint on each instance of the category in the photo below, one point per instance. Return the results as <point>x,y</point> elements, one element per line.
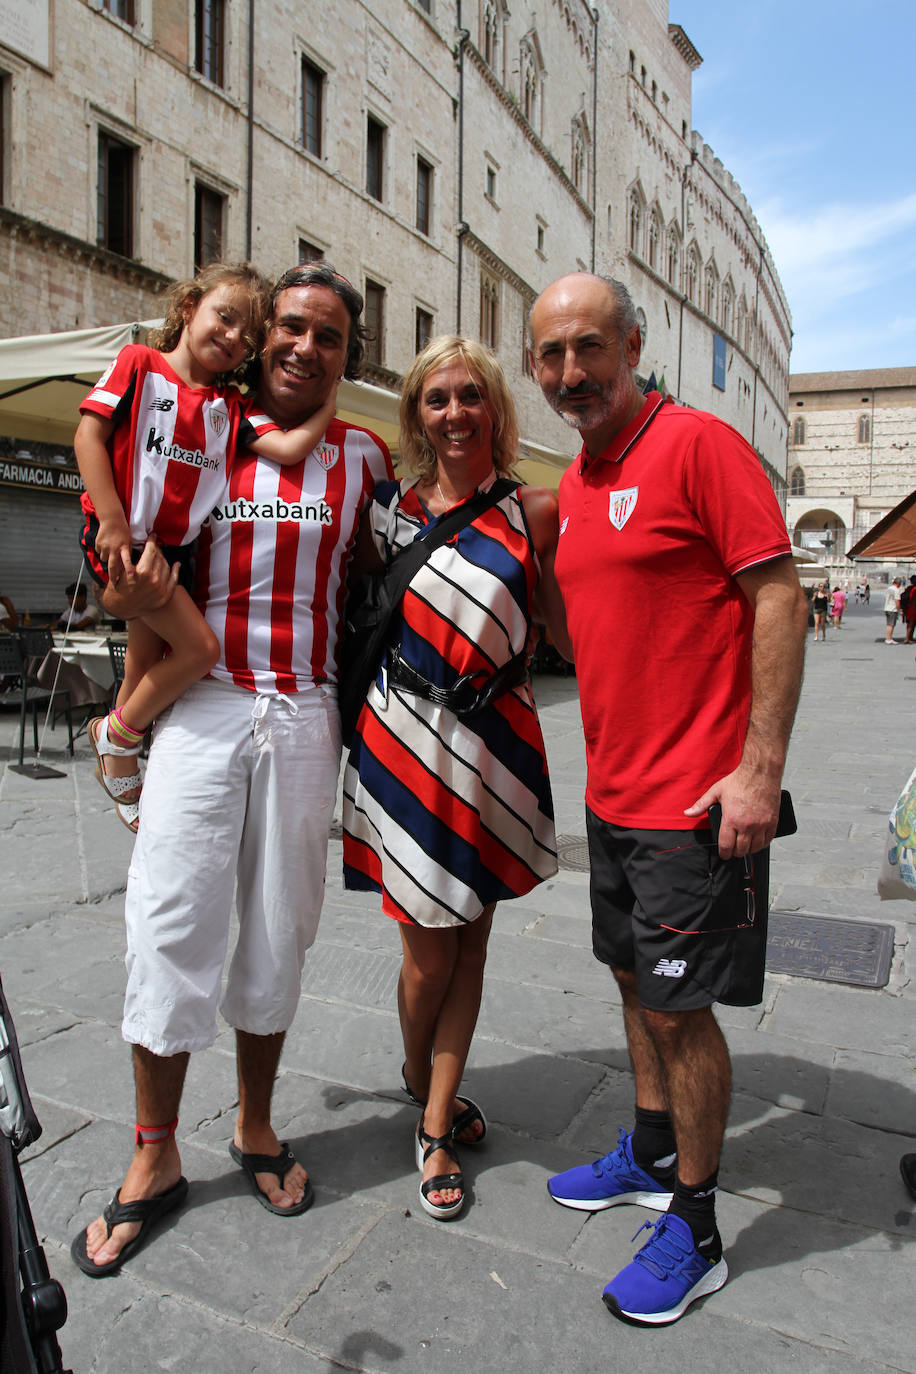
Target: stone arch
<point>823,531</point>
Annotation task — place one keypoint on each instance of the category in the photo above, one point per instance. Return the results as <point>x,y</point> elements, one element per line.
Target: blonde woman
<point>446,812</point>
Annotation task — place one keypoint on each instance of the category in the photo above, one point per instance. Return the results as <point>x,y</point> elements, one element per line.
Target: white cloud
<point>832,234</point>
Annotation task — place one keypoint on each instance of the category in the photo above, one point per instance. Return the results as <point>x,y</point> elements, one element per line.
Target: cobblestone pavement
<point>817,1224</point>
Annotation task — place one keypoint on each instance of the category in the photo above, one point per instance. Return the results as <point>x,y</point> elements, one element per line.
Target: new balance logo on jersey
<point>161,403</point>
<point>155,443</point>
<point>312,512</point>
<point>671,968</point>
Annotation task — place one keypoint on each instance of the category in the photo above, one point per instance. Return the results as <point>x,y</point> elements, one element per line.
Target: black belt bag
<point>462,697</point>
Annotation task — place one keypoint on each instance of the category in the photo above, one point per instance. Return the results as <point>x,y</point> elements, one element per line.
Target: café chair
<point>20,656</point>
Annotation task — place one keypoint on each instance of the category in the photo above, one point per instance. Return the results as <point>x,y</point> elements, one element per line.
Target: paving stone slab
<point>221,1250</point>
<point>565,1020</point>
<point>877,1090</point>
<point>845,1017</point>
<point>835,1169</point>
<point>537,964</point>
<point>119,1326</point>
<point>57,1124</point>
<point>775,1069</point>
<point>508,1312</point>
<point>88,1067</point>
<point>65,945</point>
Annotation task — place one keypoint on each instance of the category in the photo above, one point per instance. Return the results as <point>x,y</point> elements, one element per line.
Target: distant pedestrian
<point>891,609</point>
<point>838,606</point>
<point>908,607</point>
<point>820,603</point>
<point>867,593</point>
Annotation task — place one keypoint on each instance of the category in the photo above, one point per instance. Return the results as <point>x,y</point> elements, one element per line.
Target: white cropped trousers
<point>238,798</point>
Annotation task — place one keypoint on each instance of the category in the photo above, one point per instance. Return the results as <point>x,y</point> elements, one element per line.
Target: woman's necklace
<point>448,504</point>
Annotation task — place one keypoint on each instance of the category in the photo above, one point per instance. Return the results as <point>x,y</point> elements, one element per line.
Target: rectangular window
<point>209,44</point>
<point>424,195</point>
<point>424,329</point>
<point>375,157</point>
<point>491,182</point>
<point>209,206</point>
<point>115,226</point>
<point>121,9</point>
<point>309,252</point>
<point>375,322</point>
<point>312,106</point>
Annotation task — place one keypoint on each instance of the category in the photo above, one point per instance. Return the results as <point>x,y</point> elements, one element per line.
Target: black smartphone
<point>786,825</point>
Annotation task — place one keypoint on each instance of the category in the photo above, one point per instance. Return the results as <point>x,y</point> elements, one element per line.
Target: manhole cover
<point>572,852</point>
<point>829,948</point>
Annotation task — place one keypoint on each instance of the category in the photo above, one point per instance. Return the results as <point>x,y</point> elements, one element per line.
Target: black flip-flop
<point>279,1164</point>
<point>147,1211</point>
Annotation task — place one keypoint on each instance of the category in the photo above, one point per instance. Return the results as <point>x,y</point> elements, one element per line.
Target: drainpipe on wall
<point>683,294</point>
<point>249,214</point>
<point>460,228</point>
<point>756,348</point>
<point>594,133</point>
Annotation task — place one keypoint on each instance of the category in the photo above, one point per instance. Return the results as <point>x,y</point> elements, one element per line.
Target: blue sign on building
<point>718,361</point>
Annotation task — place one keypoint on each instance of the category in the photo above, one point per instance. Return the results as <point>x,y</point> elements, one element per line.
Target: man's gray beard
<point>590,420</point>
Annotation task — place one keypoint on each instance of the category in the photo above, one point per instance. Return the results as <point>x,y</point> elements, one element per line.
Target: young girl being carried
<point>154,444</point>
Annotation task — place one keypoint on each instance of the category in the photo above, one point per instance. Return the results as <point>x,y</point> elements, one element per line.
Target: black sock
<point>653,1144</point>
<point>697,1206</point>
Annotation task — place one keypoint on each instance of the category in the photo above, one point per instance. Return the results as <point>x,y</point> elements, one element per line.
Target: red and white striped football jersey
<point>271,563</point>
<point>171,443</point>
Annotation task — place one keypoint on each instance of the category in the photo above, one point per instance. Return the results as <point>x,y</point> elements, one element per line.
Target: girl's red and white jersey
<point>271,564</point>
<point>171,443</point>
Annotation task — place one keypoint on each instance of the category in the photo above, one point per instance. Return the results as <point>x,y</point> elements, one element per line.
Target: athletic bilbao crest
<point>622,506</point>
<point>219,418</point>
<point>327,455</point>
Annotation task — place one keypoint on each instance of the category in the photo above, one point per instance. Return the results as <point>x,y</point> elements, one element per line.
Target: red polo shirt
<point>652,534</point>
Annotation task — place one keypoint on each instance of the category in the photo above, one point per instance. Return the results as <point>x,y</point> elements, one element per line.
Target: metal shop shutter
<point>39,547</point>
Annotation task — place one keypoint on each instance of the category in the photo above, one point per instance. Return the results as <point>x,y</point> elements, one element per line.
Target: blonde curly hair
<point>189,293</point>
<point>414,447</point>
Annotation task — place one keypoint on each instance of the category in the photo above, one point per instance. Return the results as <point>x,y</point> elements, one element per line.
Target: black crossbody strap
<point>404,566</point>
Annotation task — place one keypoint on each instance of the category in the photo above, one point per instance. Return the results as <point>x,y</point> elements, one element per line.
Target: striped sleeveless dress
<point>444,816</point>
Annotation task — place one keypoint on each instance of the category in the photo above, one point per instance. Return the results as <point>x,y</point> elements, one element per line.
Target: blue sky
<point>810,106</point>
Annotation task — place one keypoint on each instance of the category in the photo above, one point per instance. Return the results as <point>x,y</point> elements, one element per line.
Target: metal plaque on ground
<point>830,948</point>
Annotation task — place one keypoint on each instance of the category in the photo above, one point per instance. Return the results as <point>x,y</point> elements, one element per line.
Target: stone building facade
<point>852,456</point>
<point>451,157</point>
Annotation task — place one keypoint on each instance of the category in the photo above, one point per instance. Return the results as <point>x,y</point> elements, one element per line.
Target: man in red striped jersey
<point>242,775</point>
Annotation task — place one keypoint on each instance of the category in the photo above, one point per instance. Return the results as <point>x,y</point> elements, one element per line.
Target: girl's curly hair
<point>190,293</point>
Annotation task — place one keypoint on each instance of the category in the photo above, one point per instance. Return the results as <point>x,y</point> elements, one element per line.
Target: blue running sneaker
<point>664,1277</point>
<point>615,1178</point>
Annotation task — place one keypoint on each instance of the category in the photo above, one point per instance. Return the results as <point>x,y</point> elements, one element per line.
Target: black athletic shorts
<point>692,926</point>
<point>182,554</point>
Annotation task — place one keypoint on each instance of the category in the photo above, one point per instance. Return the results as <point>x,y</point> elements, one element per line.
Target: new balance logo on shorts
<point>671,968</point>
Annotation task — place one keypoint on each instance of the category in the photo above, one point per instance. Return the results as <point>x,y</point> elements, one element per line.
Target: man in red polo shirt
<point>688,626</point>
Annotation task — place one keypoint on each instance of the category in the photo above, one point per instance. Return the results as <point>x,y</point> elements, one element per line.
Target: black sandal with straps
<point>442,1211</point>
<point>466,1118</point>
